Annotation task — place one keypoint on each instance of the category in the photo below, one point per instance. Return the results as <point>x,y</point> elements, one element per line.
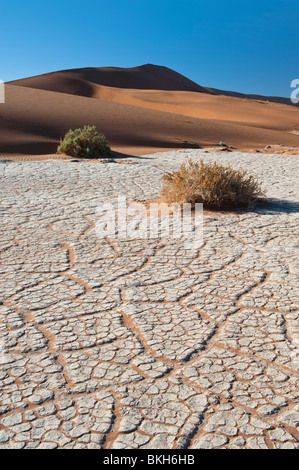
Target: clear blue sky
<point>240,45</point>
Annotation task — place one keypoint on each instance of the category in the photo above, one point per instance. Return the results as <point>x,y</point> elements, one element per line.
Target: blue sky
<point>240,45</point>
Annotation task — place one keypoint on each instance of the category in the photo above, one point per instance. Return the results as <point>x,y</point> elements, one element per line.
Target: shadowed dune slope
<point>83,81</point>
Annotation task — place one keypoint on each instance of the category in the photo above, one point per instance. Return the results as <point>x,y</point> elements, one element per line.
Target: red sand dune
<point>140,110</point>
<point>82,81</point>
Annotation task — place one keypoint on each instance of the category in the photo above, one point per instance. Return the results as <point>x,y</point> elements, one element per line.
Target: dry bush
<point>212,184</point>
<point>84,143</point>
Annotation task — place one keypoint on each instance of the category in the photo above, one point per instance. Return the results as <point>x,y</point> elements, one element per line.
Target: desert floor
<point>146,343</point>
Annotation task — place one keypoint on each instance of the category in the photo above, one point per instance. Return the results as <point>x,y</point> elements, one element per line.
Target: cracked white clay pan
<point>125,344</point>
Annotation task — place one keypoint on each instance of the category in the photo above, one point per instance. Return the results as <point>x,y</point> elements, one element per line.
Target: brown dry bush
<point>212,184</point>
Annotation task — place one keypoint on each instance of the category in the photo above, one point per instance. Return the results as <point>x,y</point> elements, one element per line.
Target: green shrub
<point>84,143</point>
<point>212,184</point>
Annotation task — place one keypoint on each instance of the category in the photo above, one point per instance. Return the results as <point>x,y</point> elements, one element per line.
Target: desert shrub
<point>84,143</point>
<point>212,184</point>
